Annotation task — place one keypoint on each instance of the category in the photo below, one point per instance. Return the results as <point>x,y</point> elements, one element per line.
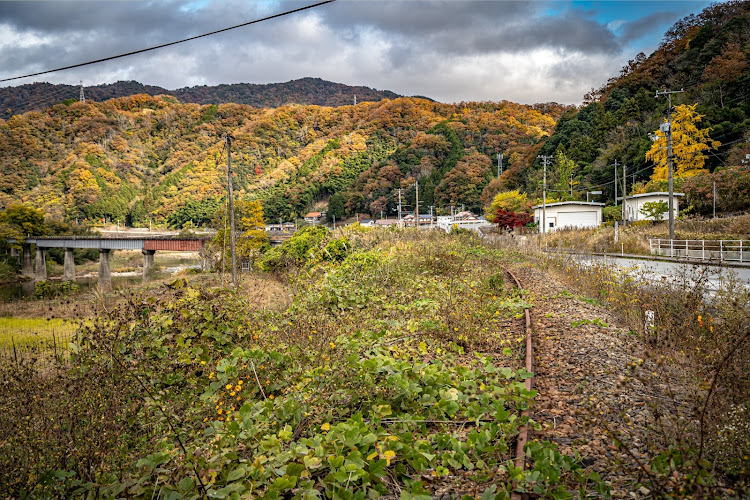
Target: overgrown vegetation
<point>395,369</point>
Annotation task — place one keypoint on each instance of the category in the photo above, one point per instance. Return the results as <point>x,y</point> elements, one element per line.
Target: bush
<point>612,213</point>
<point>7,272</point>
<point>51,290</point>
<point>302,247</point>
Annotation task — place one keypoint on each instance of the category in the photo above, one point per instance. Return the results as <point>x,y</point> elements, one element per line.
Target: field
<point>23,332</point>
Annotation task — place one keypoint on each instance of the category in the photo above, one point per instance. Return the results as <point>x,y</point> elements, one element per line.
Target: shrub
<point>51,290</point>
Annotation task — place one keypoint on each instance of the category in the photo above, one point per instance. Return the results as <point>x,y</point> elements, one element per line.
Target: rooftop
<point>560,203</point>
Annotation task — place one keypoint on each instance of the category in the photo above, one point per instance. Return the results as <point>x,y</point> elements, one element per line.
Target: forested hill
<point>37,96</point>
<point>144,158</point>
<point>707,55</point>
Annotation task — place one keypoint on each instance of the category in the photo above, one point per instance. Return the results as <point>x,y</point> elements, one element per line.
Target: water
<point>169,263</point>
<point>10,292</point>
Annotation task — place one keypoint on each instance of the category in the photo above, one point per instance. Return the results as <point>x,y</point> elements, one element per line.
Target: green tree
<point>20,221</point>
<point>336,207</point>
<point>250,235</point>
<point>562,175</point>
<point>611,213</point>
<point>654,210</point>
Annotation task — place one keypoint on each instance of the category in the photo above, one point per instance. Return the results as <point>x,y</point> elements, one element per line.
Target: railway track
<point>523,435</point>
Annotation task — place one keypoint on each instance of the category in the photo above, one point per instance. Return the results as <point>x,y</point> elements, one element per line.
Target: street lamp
<point>591,192</point>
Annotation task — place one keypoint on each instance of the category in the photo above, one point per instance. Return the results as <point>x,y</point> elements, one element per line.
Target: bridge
<point>147,245</point>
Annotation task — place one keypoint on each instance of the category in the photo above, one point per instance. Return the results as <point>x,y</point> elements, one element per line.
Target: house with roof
<point>386,222</point>
<point>315,217</point>
<point>568,214</point>
<point>633,204</point>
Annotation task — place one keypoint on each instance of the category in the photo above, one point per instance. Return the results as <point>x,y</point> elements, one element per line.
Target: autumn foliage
<point>689,145</point>
<point>141,158</point>
<point>510,220</point>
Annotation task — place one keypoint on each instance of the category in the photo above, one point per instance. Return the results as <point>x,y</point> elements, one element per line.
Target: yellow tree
<point>688,146</point>
<point>251,234</point>
<point>509,201</point>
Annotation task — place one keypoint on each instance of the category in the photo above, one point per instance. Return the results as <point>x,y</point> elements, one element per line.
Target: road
<point>673,272</point>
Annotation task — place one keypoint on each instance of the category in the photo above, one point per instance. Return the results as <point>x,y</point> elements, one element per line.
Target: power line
<point>293,11</point>
<point>651,165</point>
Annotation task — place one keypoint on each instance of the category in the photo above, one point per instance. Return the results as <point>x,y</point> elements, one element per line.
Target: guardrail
<point>718,250</point>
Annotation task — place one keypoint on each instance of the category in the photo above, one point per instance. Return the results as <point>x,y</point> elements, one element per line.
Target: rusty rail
<point>523,434</point>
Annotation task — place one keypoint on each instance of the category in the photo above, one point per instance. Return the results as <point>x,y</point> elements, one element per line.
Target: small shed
<point>569,214</point>
<point>634,203</point>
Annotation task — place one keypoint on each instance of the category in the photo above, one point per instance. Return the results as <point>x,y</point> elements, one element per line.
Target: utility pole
<point>431,207</point>
<point>417,203</point>
<point>669,93</point>
<point>714,199</point>
<point>224,248</point>
<point>544,159</point>
<point>229,138</point>
<point>624,189</point>
<point>399,208</point>
<point>571,185</point>
<point>499,165</point>
<point>615,182</point>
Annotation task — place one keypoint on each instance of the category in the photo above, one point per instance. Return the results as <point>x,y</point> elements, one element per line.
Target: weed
<point>373,376</point>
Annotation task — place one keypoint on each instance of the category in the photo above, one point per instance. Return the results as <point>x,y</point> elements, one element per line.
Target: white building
<point>633,204</point>
<point>470,222</point>
<point>569,214</point>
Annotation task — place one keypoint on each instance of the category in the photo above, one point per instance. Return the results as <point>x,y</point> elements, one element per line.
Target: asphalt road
<point>674,272</point>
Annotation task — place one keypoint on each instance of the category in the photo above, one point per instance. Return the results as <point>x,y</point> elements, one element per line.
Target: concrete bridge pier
<point>148,263</point>
<point>40,265</point>
<point>105,275</point>
<point>69,266</point>
<point>26,267</point>
<point>14,253</point>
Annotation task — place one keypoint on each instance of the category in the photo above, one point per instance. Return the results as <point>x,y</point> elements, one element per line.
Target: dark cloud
<point>448,50</point>
<point>641,27</point>
<point>468,27</point>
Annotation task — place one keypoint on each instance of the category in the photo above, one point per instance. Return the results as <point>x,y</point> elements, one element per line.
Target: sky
<point>448,50</point>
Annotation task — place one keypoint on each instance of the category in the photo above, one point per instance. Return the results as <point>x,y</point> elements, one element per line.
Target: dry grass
<point>634,239</point>
<point>262,291</point>
<point>602,240</point>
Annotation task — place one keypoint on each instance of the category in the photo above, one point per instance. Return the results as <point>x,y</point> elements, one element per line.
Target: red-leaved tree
<point>510,220</point>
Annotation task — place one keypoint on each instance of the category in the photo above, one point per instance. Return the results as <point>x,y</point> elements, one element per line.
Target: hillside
<point>37,96</point>
<point>707,55</point>
<point>141,158</point>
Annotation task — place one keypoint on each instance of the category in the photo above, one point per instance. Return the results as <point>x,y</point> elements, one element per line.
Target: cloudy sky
<point>454,50</point>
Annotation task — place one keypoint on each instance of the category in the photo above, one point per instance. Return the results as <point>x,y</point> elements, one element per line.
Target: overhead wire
<point>140,51</point>
<point>649,166</point>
